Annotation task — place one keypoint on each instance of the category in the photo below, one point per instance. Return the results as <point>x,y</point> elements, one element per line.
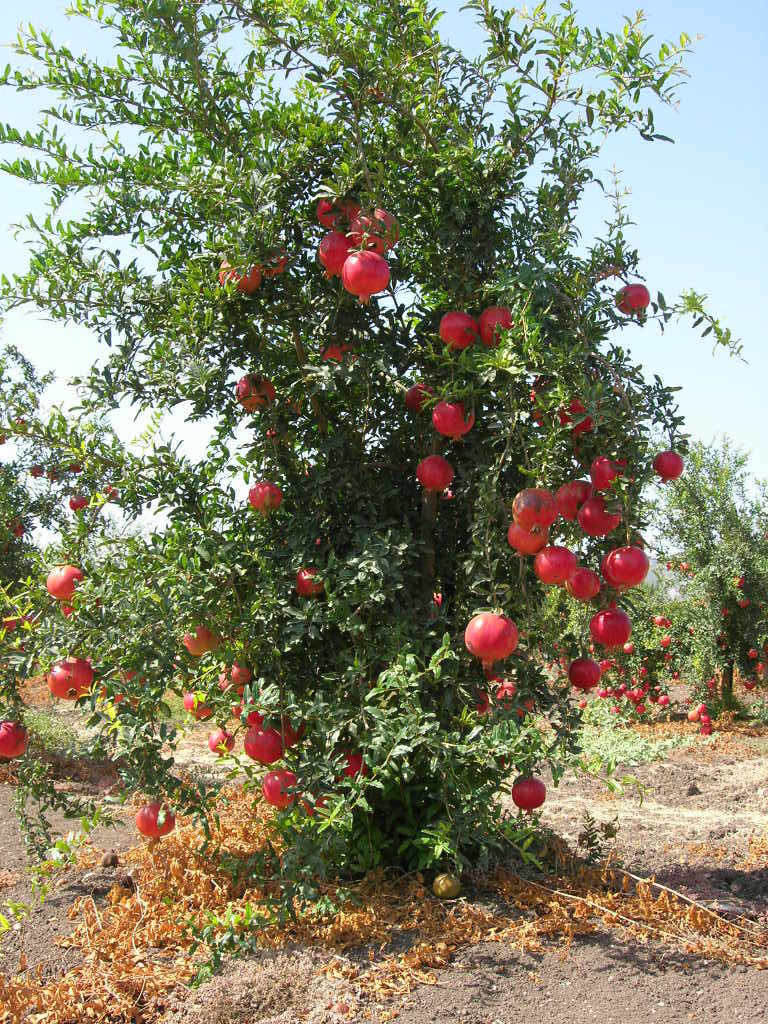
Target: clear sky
<point>700,206</point>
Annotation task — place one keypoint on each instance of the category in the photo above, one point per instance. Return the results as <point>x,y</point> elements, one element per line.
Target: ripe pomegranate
<point>534,507</point>
<point>277,262</point>
<point>36,471</point>
<point>583,584</point>
<point>61,582</point>
<point>669,465</point>
<point>71,678</point>
<point>458,330</point>
<point>265,497</point>
<point>629,648</point>
<point>275,788</point>
<point>355,765</point>
<point>611,627</point>
<point>254,392</point>
<point>78,502</point>
<point>664,700</point>
<point>334,353</point>
<point>553,565</point>
<point>752,653</point>
<point>220,742</point>
<point>263,745</point>
<point>526,543</point>
<point>633,298</point>
<point>155,821</point>
<point>416,396</point>
<point>577,407</point>
<point>490,637</point>
<point>528,793</point>
<point>665,641</point>
<point>308,582</point>
<point>240,674</point>
<point>332,253</point>
<point>201,641</point>
<point>625,567</point>
<point>659,620</point>
<point>13,739</point>
<point>246,283</point>
<point>505,693</point>
<point>434,473</point>
<point>364,274</point>
<point>334,212</point>
<point>195,706</point>
<point>450,420</point>
<point>584,673</point>
<point>378,231</point>
<point>595,520</point>
<point>492,322</point>
<point>603,472</point>
<point>571,496</point>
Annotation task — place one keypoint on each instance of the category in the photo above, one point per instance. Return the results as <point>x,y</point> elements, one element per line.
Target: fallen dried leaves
<point>138,947</point>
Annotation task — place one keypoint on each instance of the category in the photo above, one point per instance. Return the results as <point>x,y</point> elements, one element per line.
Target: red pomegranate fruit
<point>583,584</point>
<point>335,212</point>
<point>308,582</point>
<point>669,465</point>
<point>61,581</point>
<point>263,745</point>
<point>458,330</point>
<point>71,678</point>
<point>633,298</point>
<point>155,821</point>
<point>365,274</point>
<point>625,567</point>
<point>492,322</point>
<point>603,472</point>
<point>526,543</point>
<point>553,565</point>
<point>333,252</point>
<point>490,637</point>
<point>13,739</point>
<point>201,641</point>
<point>595,520</point>
<point>355,765</point>
<point>584,673</point>
<point>196,707</point>
<point>275,788</point>
<point>571,496</point>
<point>434,473</point>
<point>534,507</point>
<point>220,742</point>
<point>611,627</point>
<point>416,396</point>
<point>78,502</point>
<point>378,231</point>
<point>265,497</point>
<point>450,419</point>
<point>528,793</point>
<point>246,283</point>
<point>254,392</point>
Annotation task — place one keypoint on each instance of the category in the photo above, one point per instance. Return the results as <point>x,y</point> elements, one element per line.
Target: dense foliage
<point>211,136</point>
<point>712,529</point>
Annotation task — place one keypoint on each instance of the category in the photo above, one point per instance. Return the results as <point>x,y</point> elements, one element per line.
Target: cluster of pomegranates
<point>356,244</point>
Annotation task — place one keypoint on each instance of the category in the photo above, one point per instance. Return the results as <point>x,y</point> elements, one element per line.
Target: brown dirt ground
<point>703,812</point>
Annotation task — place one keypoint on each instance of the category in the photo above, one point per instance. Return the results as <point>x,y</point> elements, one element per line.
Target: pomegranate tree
<point>433,369</point>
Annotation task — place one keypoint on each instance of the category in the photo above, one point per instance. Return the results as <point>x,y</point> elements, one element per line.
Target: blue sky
<point>699,207</point>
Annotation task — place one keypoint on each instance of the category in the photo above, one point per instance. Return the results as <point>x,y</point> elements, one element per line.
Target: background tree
<point>215,141</point>
<point>712,530</point>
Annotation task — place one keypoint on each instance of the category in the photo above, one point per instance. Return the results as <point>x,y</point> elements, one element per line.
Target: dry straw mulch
<point>137,949</point>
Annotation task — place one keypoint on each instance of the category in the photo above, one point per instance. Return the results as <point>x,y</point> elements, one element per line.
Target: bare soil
<point>701,814</point>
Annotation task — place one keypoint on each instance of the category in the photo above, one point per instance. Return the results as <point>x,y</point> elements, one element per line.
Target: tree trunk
<point>726,685</point>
